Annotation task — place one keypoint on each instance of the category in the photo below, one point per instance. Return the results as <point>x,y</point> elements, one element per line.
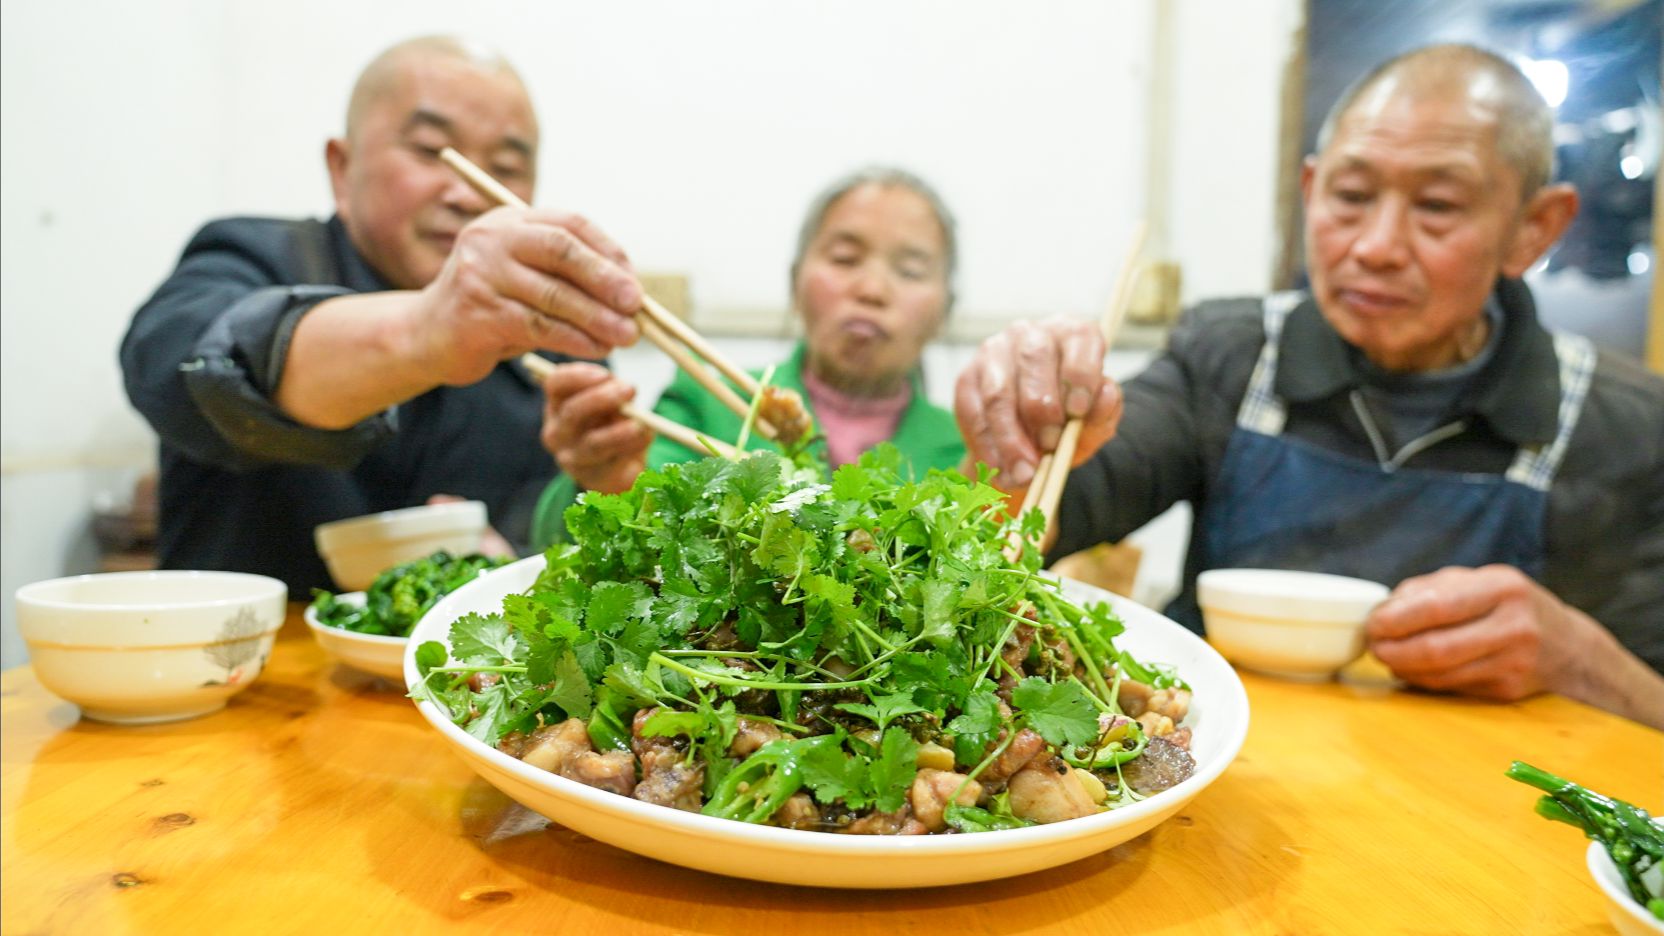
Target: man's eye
<point>1437,205</point>
<point>1352,196</point>
<point>425,150</point>
<point>508,172</point>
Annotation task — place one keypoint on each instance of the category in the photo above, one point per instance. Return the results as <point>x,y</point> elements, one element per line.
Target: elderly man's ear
<point>1543,219</point>
<point>336,153</point>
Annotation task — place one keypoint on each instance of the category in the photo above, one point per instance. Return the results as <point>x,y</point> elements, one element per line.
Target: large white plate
<point>1219,718</point>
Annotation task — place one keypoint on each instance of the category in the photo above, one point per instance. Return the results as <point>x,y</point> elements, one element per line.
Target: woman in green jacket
<point>872,280</point>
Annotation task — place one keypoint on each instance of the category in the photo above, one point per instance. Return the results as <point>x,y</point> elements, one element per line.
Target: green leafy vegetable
<point>841,625</point>
<point>399,597</point>
<point>1633,839</point>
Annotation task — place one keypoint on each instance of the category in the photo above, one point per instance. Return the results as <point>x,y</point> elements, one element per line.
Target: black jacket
<point>1604,539</point>
<point>242,486</point>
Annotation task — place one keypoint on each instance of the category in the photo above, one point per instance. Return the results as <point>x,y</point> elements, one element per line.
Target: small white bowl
<point>1298,625</point>
<point>140,647</point>
<point>372,653</point>
<point>360,548</point>
<point>1628,917</point>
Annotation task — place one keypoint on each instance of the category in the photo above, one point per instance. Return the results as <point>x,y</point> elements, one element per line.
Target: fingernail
<point>1048,438</point>
<point>1022,473</point>
<point>627,297</point>
<point>1078,403</point>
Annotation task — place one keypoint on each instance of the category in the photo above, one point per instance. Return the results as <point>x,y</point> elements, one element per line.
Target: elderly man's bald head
<point>1524,121</point>
<point>382,75</point>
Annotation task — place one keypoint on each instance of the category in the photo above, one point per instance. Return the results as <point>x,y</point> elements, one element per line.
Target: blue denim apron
<point>1283,503</point>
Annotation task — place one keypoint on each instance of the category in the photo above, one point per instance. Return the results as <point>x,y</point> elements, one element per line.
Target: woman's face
<point>872,288</point>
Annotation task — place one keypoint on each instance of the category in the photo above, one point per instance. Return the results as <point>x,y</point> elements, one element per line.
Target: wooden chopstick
<point>1053,471</point>
<point>480,179</point>
<point>692,438</point>
<point>658,324</point>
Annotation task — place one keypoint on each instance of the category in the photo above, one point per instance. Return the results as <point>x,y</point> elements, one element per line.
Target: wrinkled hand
<point>1023,384</point>
<point>492,543</point>
<point>1490,632</point>
<point>601,448</point>
<point>520,279</point>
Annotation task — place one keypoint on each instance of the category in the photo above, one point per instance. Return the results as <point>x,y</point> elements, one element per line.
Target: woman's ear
<point>1543,219</point>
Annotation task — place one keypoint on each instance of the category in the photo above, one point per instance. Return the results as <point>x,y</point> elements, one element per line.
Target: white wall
<point>694,132</point>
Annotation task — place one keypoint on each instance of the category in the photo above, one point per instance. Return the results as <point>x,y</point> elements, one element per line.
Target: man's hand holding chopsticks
<point>1013,399</point>
<point>520,279</point>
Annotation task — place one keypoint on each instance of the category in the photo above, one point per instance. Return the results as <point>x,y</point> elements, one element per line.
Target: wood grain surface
<point>319,801</point>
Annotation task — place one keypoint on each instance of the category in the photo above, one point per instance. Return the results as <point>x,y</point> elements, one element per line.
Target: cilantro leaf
<point>482,639</point>
<point>893,770</point>
<point>1059,712</point>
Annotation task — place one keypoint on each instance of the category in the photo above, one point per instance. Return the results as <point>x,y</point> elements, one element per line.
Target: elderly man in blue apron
<point>1407,420</point>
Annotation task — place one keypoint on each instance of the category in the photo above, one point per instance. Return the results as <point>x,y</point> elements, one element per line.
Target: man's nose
<point>462,198</point>
<point>1384,239</point>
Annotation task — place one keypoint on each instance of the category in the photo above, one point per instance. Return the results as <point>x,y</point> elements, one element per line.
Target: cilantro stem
<point>994,653</point>
<point>1101,705</point>
<point>1010,735</point>
<point>477,669</point>
<point>1079,647</point>
<point>861,626</point>
<point>751,411</point>
<point>722,680</point>
<point>750,655</point>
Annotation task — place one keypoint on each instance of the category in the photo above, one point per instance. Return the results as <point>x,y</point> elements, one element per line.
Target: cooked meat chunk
<point>750,736</point>
<point>1047,791</point>
<point>799,812</point>
<point>900,822</point>
<point>1174,703</point>
<point>552,746</point>
<point>1134,697</point>
<point>1156,724</point>
<point>784,410</point>
<point>929,796</point>
<point>614,771</point>
<point>1162,765</point>
<point>1023,748</point>
<point>666,777</point>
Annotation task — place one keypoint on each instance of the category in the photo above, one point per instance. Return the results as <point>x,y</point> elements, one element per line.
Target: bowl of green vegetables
<point>368,630</point>
<point>1626,856</point>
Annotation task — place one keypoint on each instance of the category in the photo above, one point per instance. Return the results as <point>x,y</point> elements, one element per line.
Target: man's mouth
<point>1372,301</point>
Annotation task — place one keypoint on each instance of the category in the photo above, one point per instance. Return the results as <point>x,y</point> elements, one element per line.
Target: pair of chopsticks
<point>1045,491</point>
<point>658,325</point>
<point>693,439</point>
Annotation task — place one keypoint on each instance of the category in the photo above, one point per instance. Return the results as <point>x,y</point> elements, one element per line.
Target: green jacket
<point>927,437</point>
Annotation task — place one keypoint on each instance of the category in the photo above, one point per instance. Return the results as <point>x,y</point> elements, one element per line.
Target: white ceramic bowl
<point>1219,717</point>
<point>358,549</point>
<point>139,647</point>
<point>1628,917</point>
<point>372,653</point>
<point>1299,625</point>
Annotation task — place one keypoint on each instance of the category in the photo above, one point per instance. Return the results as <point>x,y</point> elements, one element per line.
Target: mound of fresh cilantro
<point>861,617</point>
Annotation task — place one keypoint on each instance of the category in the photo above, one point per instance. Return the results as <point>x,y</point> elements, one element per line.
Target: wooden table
<point>321,802</point>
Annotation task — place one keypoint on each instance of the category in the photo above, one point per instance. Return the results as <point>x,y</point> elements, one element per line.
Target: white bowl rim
<point>1605,873</point>
<point>356,598</point>
<point>270,586</point>
<point>624,807</point>
<point>354,531</point>
<point>1240,581</point>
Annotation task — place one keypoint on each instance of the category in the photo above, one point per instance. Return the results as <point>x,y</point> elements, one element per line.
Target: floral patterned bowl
<point>142,647</point>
